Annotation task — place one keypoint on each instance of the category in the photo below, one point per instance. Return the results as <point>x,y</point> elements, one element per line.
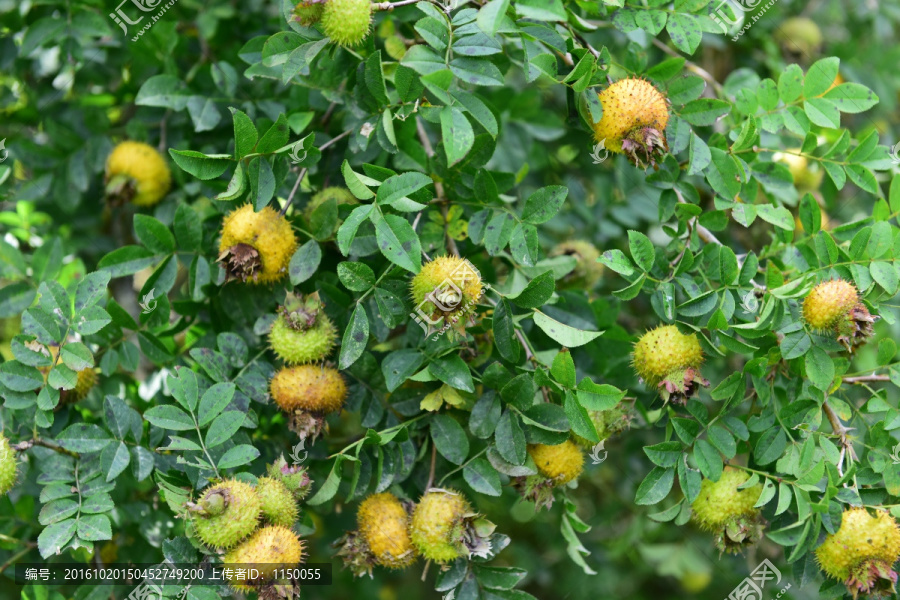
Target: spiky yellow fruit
<point>587,270</point>
<point>448,287</point>
<point>229,512</point>
<point>269,549</point>
<point>309,12</point>
<point>635,115</point>
<point>862,552</point>
<point>437,525</point>
<point>347,22</point>
<point>669,360</point>
<point>138,173</point>
<point>384,525</point>
<point>800,35</point>
<point>277,503</point>
<point>310,388</point>
<point>561,463</point>
<point>724,509</point>
<point>834,306</point>
<point>828,303</point>
<point>338,194</point>
<point>7,466</point>
<point>256,246</point>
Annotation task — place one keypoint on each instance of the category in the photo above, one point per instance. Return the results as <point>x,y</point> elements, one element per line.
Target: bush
<point>582,298</point>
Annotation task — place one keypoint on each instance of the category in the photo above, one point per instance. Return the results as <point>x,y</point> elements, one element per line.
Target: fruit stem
<point>838,428</point>
<point>393,5</point>
<point>431,472</point>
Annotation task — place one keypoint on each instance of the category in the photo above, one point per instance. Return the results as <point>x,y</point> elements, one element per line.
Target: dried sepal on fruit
<point>307,393</point>
<point>670,361</point>
<point>862,552</point>
<point>309,12</point>
<point>728,511</point>
<point>294,477</point>
<point>256,247</point>
<point>834,307</point>
<point>635,115</point>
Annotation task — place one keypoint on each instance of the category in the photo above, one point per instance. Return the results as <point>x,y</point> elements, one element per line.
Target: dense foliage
<point>603,293</point>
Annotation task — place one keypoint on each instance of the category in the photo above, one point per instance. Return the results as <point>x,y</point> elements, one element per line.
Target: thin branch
<point>866,378</point>
<point>438,186</point>
<point>290,198</point>
<point>692,66</point>
<point>838,428</point>
<point>702,232</point>
<point>431,473</point>
<point>392,5</point>
<point>22,446</point>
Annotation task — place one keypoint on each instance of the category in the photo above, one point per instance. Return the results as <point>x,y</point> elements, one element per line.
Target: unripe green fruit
<point>269,549</point>
<point>238,519</point>
<point>298,347</point>
<point>384,525</point>
<point>720,501</point>
<point>862,552</point>
<point>587,270</point>
<point>608,422</point>
<point>309,12</point>
<point>310,388</point>
<point>347,22</point>
<point>663,350</point>
<point>561,463</point>
<point>438,524</point>
<point>277,502</point>
<point>7,466</point>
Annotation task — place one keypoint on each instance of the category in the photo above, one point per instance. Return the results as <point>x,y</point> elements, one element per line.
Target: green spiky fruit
<point>834,307</point>
<point>728,511</point>
<point>561,463</point>
<point>338,194</point>
<point>7,466</point>
<point>669,360</point>
<point>256,247</point>
<point>294,477</point>
<point>384,525</point>
<point>137,173</point>
<point>347,22</point>
<point>229,512</point>
<point>800,35</point>
<point>862,552</point>
<point>448,287</point>
<point>269,549</point>
<point>587,271</point>
<point>302,333</point>
<point>277,503</point>
<point>310,388</point>
<point>438,524</point>
<point>309,12</point>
